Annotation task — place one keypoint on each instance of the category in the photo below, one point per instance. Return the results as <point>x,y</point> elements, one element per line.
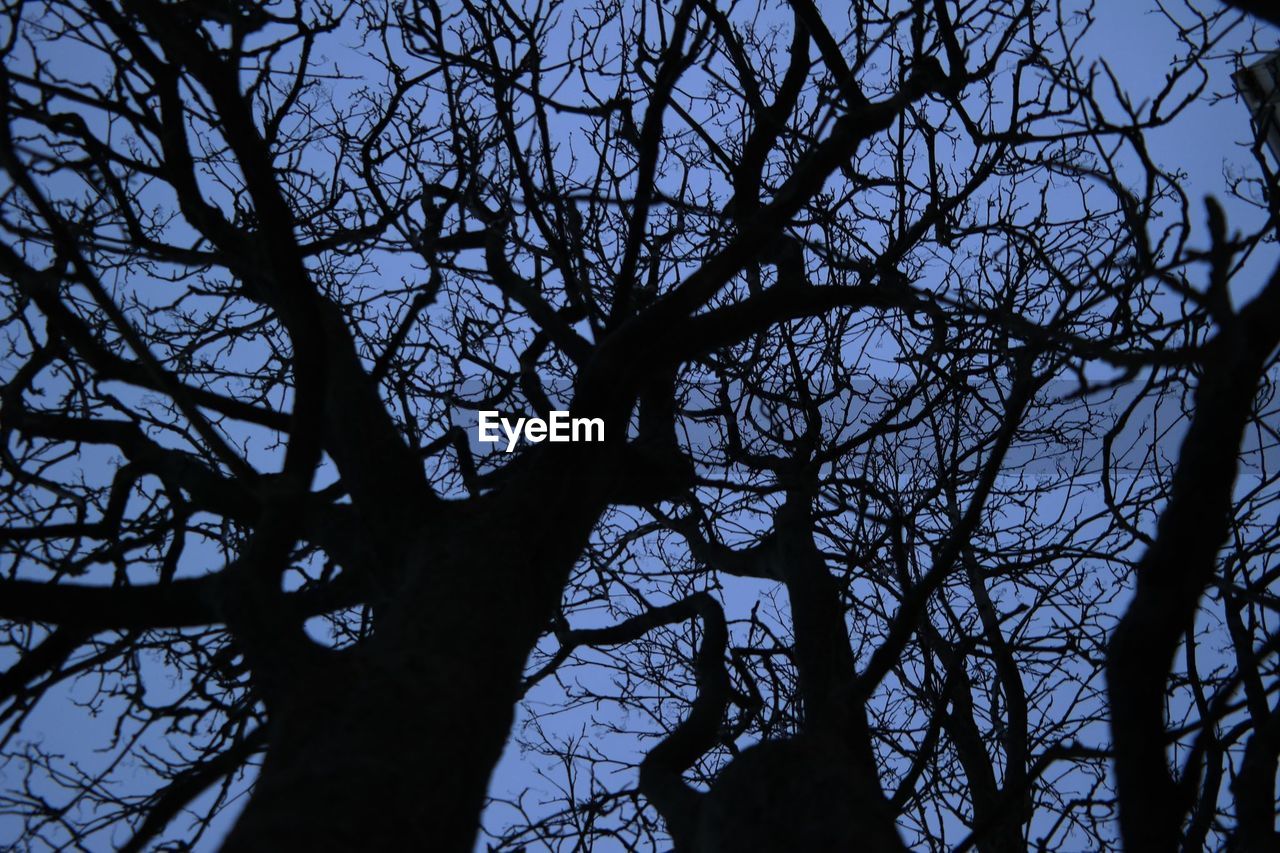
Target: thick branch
<point>1176,568</point>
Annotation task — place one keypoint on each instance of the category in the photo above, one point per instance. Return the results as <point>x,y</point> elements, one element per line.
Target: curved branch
<point>661,770</point>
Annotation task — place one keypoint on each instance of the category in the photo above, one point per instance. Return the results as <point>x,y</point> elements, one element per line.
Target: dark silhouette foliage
<point>936,504</point>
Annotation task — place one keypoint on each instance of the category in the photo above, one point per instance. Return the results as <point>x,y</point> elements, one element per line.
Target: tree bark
<point>812,792</point>
<point>390,744</point>
<point>395,754</point>
<point>1173,573</point>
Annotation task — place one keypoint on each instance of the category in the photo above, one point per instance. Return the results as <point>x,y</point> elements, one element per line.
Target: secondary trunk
<point>807,793</point>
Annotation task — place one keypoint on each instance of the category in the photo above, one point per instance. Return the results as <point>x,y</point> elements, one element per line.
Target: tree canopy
<point>936,501</point>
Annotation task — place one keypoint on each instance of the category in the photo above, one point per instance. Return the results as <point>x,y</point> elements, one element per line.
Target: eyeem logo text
<point>559,427</point>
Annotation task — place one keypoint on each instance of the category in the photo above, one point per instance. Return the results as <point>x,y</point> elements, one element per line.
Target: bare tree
<point>867,302</point>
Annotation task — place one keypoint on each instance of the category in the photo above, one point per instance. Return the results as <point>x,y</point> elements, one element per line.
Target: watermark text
<point>559,426</point>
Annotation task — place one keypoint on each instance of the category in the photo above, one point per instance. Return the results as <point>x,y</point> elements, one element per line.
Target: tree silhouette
<point>912,357</point>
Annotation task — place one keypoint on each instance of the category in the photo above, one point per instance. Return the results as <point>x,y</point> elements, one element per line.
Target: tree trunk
<point>806,793</point>
<point>390,745</point>
<point>395,754</point>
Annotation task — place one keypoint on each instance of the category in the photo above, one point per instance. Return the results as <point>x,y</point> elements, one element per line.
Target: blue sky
<point>1205,144</point>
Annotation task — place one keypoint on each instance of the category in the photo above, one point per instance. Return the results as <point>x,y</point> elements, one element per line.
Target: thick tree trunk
<point>807,793</point>
<point>390,745</point>
<point>396,754</point>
